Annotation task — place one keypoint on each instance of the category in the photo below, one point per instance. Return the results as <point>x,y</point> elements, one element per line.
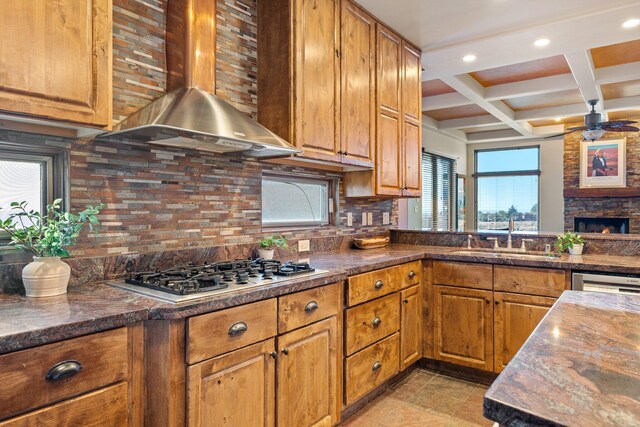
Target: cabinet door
<point>235,389</point>
<point>411,121</point>
<point>389,122</point>
<point>357,62</point>
<point>307,376</point>
<point>410,327</point>
<point>57,60</point>
<point>317,77</point>
<point>516,316</point>
<point>464,326</point>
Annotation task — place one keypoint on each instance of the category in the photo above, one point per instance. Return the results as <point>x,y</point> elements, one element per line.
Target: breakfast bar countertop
<point>580,367</point>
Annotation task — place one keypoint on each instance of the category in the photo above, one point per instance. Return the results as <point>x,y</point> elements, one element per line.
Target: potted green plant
<point>571,241</point>
<point>47,236</point>
<point>268,245</point>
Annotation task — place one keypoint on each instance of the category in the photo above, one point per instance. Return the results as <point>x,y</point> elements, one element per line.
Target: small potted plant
<point>268,245</point>
<point>47,236</point>
<point>572,241</point>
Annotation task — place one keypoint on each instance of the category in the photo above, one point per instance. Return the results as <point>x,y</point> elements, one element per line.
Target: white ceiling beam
<point>530,87</point>
<point>447,100</point>
<point>620,104</point>
<point>495,135</point>
<point>432,124</point>
<point>468,122</point>
<point>474,91</point>
<point>582,68</point>
<point>552,112</point>
<point>548,130</point>
<point>618,73</point>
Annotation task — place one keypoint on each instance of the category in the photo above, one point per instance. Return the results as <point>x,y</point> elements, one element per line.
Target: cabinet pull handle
<point>378,284</point>
<point>376,321</point>
<point>311,306</point>
<point>238,328</point>
<point>285,351</point>
<point>412,274</point>
<point>377,365</point>
<point>63,370</point>
<point>274,354</point>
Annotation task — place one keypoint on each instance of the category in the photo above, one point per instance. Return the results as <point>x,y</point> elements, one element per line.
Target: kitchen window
<point>439,182</point>
<point>506,186</point>
<point>296,202</point>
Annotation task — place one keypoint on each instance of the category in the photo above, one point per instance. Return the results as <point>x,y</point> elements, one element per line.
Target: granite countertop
<point>580,367</point>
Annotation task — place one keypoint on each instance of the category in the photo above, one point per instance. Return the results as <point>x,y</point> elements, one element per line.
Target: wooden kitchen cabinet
<point>60,60</point>
<point>411,86</point>
<point>410,326</point>
<point>307,376</point>
<point>216,385</point>
<point>516,316</point>
<point>463,323</point>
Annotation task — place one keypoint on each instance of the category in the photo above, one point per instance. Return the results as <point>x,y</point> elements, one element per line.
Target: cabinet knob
<point>412,274</point>
<point>285,351</point>
<point>378,284</point>
<point>274,354</point>
<point>406,301</point>
<point>376,321</point>
<point>377,365</point>
<point>63,370</point>
<point>238,328</point>
<point>497,302</point>
<point>488,301</point>
<point>311,306</point>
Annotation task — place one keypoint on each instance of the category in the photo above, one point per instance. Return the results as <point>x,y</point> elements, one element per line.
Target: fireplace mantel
<point>624,192</point>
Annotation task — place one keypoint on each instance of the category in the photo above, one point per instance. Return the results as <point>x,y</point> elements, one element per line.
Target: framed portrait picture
<point>603,163</point>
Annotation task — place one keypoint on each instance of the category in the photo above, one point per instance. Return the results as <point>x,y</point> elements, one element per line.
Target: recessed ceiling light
<point>631,23</point>
<point>558,119</point>
<point>541,42</point>
<point>469,58</point>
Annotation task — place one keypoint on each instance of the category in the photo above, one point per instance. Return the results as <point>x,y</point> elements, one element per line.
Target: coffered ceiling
<point>513,89</point>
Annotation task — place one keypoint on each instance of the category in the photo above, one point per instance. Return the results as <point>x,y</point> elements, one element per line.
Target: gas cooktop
<point>197,281</point>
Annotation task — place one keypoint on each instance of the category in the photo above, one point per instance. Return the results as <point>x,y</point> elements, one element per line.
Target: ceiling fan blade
<point>578,128</point>
<point>620,128</point>
<point>560,134</point>
<point>617,123</point>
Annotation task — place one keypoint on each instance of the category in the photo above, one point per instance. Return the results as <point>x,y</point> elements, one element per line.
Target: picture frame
<point>603,163</point>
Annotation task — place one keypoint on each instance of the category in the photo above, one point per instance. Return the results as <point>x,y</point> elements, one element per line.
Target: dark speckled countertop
<point>580,367</point>
<point>27,322</point>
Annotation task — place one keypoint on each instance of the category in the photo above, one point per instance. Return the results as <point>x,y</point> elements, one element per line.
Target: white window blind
<point>438,193</point>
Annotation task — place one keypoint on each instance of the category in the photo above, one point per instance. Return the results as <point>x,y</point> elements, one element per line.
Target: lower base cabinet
<point>410,326</point>
<point>516,316</point>
<point>463,322</point>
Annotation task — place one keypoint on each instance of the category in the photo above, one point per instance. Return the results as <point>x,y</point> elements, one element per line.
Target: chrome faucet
<point>512,225</point>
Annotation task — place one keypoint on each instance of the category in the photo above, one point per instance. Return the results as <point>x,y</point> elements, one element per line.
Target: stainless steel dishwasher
<point>611,283</point>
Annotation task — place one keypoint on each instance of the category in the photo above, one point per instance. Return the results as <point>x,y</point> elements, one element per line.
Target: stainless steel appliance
<point>190,282</point>
<point>595,282</point>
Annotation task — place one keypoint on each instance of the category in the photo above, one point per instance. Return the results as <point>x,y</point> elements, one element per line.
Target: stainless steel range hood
<point>189,116</point>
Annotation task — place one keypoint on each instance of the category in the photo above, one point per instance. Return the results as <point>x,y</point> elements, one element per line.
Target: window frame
<point>476,175</point>
<point>331,208</point>
<point>453,193</point>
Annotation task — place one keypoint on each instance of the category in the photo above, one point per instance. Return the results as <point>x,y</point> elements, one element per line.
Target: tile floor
<point>425,399</point>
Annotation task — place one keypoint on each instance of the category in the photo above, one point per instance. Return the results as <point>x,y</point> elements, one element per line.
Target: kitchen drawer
<point>216,333</point>
<point>464,274</point>
<point>28,375</point>
<point>303,308</point>
<point>106,407</point>
<point>371,367</point>
<point>372,321</point>
<point>368,286</point>
<point>409,274</point>
<point>545,282</point>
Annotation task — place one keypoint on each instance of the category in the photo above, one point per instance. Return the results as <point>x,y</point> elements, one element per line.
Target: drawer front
<point>216,333</point>
<point>409,274</point>
<point>303,308</point>
<point>464,274</point>
<point>106,407</point>
<point>532,281</point>
<point>368,286</point>
<point>370,322</point>
<point>371,367</point>
<point>37,376</point>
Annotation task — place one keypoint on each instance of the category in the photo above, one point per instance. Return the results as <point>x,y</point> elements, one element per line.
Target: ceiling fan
<point>594,128</point>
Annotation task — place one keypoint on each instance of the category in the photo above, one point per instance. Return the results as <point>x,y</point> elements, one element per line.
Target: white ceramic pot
<point>576,249</point>
<point>46,277</point>
<point>265,253</point>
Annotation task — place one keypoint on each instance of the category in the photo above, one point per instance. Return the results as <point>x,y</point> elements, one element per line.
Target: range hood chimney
<point>190,115</point>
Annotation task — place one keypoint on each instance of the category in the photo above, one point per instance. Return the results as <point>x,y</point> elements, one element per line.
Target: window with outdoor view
<point>507,186</point>
<point>293,201</point>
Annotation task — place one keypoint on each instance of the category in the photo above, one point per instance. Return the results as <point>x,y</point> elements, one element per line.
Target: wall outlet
<point>303,246</point>
<point>385,218</point>
<point>416,208</point>
<point>364,218</point>
<point>370,218</point>
<point>349,219</point>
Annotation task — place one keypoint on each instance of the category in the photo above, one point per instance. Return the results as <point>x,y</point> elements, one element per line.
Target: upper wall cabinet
<point>57,60</point>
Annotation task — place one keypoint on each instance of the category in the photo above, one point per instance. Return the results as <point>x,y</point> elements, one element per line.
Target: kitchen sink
<point>515,255</point>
